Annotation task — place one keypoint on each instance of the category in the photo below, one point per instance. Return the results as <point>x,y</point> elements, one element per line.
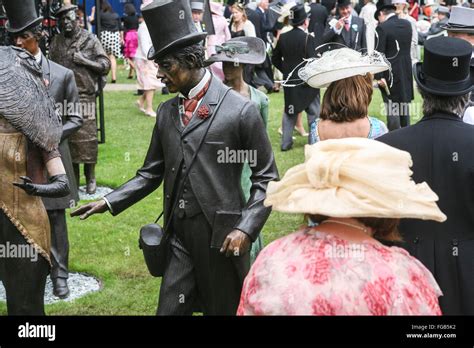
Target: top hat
<point>446,69</point>
<point>242,50</point>
<point>443,9</point>
<point>343,3</point>
<point>298,15</point>
<point>21,15</point>
<point>197,5</point>
<point>64,9</point>
<point>382,5</point>
<point>171,26</point>
<point>461,20</point>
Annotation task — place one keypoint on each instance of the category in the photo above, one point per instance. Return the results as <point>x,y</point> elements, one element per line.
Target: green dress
<point>262,102</point>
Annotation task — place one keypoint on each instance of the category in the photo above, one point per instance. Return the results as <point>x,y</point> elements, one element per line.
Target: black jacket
<point>317,21</point>
<point>441,147</point>
<point>62,88</point>
<point>216,185</point>
<point>392,34</point>
<point>354,38</point>
<point>291,49</point>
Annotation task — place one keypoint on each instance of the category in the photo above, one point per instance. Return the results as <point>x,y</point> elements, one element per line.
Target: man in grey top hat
<point>437,28</point>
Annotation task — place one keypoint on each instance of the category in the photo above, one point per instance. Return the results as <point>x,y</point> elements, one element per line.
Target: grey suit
<point>354,38</point>
<point>195,267</point>
<point>62,88</point>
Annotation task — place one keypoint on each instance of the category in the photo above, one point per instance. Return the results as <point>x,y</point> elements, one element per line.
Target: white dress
<point>367,14</point>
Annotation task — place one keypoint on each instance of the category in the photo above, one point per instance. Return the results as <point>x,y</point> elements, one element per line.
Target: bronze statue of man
<point>212,224</point>
<point>80,51</point>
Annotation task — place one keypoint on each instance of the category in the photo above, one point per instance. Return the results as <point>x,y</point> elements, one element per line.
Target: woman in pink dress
<point>354,191</point>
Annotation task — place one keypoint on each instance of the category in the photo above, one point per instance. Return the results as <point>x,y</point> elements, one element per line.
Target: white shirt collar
<point>303,28</point>
<point>196,89</point>
<point>38,57</point>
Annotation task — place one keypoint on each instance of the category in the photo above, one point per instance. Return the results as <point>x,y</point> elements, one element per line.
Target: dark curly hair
<point>189,57</point>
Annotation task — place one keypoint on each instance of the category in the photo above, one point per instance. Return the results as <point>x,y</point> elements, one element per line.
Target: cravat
<point>191,104</point>
<point>346,25</point>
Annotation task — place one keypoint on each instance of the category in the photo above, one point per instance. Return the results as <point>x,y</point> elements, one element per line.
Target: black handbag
<point>154,240</point>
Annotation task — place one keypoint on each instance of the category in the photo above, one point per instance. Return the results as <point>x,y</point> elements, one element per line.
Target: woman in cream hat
<point>345,106</point>
<point>356,189</point>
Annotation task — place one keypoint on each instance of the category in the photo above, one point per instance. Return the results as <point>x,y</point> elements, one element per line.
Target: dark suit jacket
<point>441,147</point>
<point>392,34</point>
<point>354,38</point>
<point>216,185</point>
<point>253,17</point>
<point>317,21</point>
<point>291,49</point>
<point>265,24</point>
<point>62,88</point>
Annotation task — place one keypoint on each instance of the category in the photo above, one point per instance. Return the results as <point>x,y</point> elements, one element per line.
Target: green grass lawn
<point>107,247</point>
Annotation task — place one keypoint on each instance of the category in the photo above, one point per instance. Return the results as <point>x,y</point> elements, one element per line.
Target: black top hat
<point>298,15</point>
<point>242,50</point>
<point>382,5</point>
<point>461,20</point>
<point>171,26</point>
<point>343,3</point>
<point>21,15</point>
<point>64,9</point>
<point>446,69</point>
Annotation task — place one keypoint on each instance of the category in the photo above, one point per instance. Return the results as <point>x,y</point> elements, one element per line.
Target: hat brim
<point>251,59</point>
<point>33,23</point>
<point>187,40</point>
<point>463,88</point>
<point>458,29</point>
<point>256,56</point>
<point>324,79</point>
<point>65,9</point>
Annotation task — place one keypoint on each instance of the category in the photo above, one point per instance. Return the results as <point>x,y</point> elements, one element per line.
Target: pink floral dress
<point>314,273</point>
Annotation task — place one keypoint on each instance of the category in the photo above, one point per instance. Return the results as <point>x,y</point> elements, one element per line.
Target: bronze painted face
<point>68,23</point>
<point>232,71</point>
<point>27,41</point>
<point>175,77</point>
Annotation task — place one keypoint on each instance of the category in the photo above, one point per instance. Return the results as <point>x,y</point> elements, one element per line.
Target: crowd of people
<point>388,221</point>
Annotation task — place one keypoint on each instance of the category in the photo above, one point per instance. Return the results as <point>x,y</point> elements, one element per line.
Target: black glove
<point>58,187</point>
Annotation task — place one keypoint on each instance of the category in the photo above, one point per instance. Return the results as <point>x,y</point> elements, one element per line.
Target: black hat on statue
<point>298,15</point>
<point>21,15</point>
<point>382,5</point>
<point>171,26</point>
<point>446,69</point>
<point>65,9</point>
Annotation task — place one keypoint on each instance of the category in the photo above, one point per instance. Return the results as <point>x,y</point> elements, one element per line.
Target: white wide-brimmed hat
<point>354,177</point>
<point>340,64</point>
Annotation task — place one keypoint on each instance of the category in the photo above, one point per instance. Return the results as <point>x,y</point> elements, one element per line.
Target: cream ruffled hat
<point>354,177</point>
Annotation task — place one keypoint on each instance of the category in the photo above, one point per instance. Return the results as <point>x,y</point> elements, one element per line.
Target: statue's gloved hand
<point>236,243</point>
<point>58,186</point>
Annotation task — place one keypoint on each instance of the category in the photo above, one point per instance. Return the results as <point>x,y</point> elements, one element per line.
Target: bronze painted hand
<point>236,243</point>
<point>89,209</point>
